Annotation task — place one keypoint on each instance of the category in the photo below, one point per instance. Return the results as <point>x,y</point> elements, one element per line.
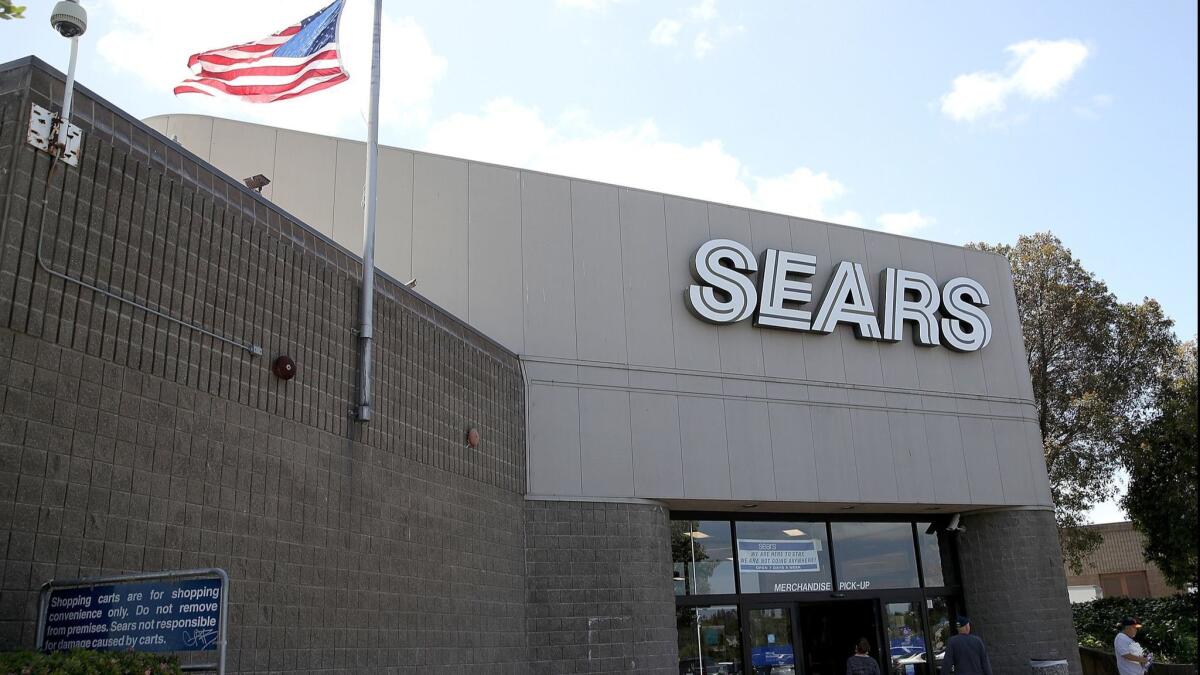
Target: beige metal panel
<point>495,262</point>
<point>998,370</point>
<point>196,134</point>
<point>822,353</point>
<point>657,453</point>
<point>910,452</point>
<point>876,466</point>
<point>394,212</point>
<point>983,468</point>
<point>861,357</point>
<point>795,456</point>
<point>741,343</point>
<point>647,287</point>
<point>243,150</point>
<point>548,268</point>
<point>748,426</point>
<point>1012,453</point>
<point>440,231</point>
<point>605,444</point>
<point>554,458</point>
<point>303,180</point>
<point>947,459</point>
<point>898,360</point>
<point>837,474</point>
<point>933,364</point>
<point>350,168</point>
<point>599,290</point>
<point>783,350</point>
<point>966,369</point>
<point>158,123</point>
<point>705,448</point>
<point>696,346</point>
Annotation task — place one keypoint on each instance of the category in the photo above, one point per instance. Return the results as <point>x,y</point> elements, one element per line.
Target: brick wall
<point>130,442</point>
<point>1014,588</point>
<point>599,589</point>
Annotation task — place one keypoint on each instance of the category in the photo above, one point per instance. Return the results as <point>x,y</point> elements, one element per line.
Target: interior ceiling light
<point>697,534</point>
<point>794,532</point>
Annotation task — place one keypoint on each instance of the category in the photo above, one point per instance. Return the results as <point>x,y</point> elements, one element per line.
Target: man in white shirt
<point>1131,659</point>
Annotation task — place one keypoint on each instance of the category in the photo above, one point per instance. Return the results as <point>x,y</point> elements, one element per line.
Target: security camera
<point>954,525</point>
<point>69,18</point>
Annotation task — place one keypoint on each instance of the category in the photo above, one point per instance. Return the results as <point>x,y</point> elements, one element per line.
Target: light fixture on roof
<point>697,534</point>
<point>257,182</point>
<point>794,532</point>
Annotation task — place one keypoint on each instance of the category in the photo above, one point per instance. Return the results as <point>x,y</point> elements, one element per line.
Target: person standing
<point>862,663</point>
<point>965,653</point>
<point>1131,658</point>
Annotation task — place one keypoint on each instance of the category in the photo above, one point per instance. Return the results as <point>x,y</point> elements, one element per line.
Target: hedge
<point>1168,624</point>
<point>84,662</point>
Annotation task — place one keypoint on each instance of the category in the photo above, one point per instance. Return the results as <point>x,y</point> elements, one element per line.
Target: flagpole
<point>366,328</point>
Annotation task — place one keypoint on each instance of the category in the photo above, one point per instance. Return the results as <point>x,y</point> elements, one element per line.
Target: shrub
<point>1168,624</point>
<point>84,662</point>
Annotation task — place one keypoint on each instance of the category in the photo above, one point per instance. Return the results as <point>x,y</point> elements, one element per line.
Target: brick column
<point>1015,589</point>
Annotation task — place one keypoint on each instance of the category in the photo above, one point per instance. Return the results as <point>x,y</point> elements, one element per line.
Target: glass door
<point>770,637</point>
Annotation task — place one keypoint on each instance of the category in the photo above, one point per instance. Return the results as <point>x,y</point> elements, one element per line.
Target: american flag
<point>298,60</point>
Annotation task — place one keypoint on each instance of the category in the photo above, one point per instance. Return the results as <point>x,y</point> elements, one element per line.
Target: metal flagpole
<point>366,327</point>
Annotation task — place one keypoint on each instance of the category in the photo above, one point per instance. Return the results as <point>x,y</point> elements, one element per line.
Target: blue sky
<point>951,121</point>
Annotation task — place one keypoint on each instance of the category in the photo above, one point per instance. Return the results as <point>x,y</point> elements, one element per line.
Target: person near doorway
<point>1131,658</point>
<point>862,663</point>
<point>965,653</point>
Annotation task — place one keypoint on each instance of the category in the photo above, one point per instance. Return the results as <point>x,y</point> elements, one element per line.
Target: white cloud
<point>587,5</point>
<point>410,67</point>
<point>506,132</point>
<point>701,45</point>
<point>904,223</point>
<point>705,10</point>
<point>1037,70</point>
<point>665,32</point>
<point>1091,109</point>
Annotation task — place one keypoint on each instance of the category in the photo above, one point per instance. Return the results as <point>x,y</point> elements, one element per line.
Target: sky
<point>950,121</point>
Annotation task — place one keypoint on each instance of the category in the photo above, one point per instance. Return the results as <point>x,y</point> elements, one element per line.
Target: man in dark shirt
<point>862,663</point>
<point>965,653</point>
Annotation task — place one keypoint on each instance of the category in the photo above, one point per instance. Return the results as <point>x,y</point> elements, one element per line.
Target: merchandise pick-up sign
<point>951,315</point>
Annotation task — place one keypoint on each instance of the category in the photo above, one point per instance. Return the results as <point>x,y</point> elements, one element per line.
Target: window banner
<point>771,556</point>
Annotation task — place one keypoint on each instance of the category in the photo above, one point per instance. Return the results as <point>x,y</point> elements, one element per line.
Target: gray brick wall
<point>598,587</point>
<point>1014,588</point>
<point>129,443</point>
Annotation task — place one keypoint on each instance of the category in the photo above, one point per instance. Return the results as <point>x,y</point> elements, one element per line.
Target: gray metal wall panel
<point>1012,455</point>
<point>837,474</point>
<point>983,469</point>
<point>947,459</point>
<point>605,446</point>
<point>967,369</point>
<point>822,353</point>
<point>933,365</point>
<point>657,453</point>
<point>997,360</point>
<point>394,218</point>
<point>1037,464</point>
<point>440,231</point>
<point>494,264</point>
<point>696,345</point>
<point>910,452</point>
<point>1008,298</point>
<point>350,166</point>
<point>861,357</point>
<point>705,448</point>
<point>795,457</point>
<point>647,287</point>
<point>783,350</point>
<point>748,427</point>
<point>548,266</point>
<point>897,360</point>
<point>599,290</point>
<point>740,344</point>
<point>303,176</point>
<point>554,456</point>
<point>873,456</point>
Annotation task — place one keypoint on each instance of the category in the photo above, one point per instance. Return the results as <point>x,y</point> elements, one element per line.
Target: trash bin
<point>1048,666</point>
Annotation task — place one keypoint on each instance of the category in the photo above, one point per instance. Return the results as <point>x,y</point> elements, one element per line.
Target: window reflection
<point>936,563</point>
<point>709,640</point>
<point>874,555</point>
<point>702,557</point>
<point>906,641</point>
<point>939,610</point>
<point>783,557</point>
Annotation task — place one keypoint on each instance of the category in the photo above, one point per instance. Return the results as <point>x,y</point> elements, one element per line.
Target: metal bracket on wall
<point>43,130</point>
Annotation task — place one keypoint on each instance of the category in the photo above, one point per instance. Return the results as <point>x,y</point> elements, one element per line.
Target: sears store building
<point>711,439</point>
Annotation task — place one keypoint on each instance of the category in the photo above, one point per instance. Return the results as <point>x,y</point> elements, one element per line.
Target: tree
<point>11,11</point>
<point>1161,460</point>
<point>1093,362</point>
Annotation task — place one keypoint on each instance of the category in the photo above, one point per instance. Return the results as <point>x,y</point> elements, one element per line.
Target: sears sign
<point>951,315</point>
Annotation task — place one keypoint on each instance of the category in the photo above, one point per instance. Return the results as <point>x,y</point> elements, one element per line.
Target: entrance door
<point>829,632</point>
<point>770,635</point>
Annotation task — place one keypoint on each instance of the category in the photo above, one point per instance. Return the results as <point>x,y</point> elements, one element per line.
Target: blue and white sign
<point>779,557</point>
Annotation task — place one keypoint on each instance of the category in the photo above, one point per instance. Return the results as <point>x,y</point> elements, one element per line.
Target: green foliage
<point>1168,624</point>
<point>11,11</point>
<point>1094,362</point>
<point>84,662</point>
<point>1161,460</point>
